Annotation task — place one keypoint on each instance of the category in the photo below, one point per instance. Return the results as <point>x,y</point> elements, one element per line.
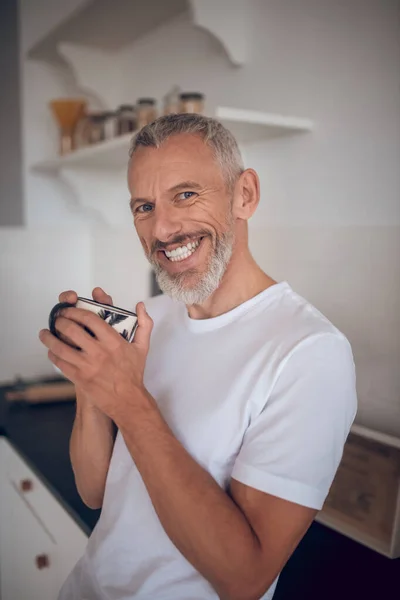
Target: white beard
<point>174,286</point>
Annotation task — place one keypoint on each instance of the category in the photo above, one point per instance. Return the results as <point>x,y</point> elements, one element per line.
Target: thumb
<point>145,326</point>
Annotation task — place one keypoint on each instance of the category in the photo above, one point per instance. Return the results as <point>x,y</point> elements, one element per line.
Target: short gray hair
<point>220,139</point>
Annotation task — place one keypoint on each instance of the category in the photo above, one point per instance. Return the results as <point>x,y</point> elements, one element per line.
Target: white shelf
<point>247,126</point>
<point>110,154</point>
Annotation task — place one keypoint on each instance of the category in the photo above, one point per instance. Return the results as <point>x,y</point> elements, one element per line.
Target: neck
<point>243,279</point>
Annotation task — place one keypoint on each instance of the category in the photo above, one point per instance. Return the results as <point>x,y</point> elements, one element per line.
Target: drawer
<point>28,557</point>
<point>59,525</point>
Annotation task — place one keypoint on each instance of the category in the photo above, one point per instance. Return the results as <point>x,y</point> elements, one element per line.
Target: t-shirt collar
<point>203,325</point>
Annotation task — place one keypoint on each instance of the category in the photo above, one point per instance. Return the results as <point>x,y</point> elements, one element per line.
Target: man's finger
<point>100,295</point>
<point>69,296</point>
<point>59,348</point>
<point>68,370</point>
<point>73,332</point>
<point>102,330</point>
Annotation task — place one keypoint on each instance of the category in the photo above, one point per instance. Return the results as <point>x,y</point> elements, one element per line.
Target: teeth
<point>182,252</point>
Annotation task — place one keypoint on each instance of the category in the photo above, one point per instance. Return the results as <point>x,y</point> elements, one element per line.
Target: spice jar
<point>125,119</point>
<point>96,127</point>
<point>172,101</point>
<point>109,124</point>
<point>191,102</point>
<point>81,133</point>
<point>145,111</point>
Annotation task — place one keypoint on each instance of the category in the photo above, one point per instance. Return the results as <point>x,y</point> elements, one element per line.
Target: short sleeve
<point>293,447</point>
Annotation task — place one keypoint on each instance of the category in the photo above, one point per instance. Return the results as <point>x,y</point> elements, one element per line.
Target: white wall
<point>330,212</point>
<point>39,16</point>
<point>35,266</point>
<point>352,275</point>
<point>334,62</point>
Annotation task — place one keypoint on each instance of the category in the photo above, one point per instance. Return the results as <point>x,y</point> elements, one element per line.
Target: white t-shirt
<point>264,393</point>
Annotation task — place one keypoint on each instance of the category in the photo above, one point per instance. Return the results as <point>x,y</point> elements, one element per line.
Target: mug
<point>123,321</point>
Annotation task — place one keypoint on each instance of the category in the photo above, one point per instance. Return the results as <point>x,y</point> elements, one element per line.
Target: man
<point>232,411</point>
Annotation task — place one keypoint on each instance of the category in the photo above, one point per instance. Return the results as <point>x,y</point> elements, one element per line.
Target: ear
<point>246,195</point>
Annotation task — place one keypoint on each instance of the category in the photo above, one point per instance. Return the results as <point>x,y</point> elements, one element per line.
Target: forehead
<point>181,157</point>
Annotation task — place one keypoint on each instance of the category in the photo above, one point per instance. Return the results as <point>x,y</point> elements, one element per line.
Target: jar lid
<point>97,117</point>
<point>126,107</point>
<point>150,101</point>
<point>191,96</point>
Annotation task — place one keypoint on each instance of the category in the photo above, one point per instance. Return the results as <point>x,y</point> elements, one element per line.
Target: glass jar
<point>125,119</point>
<point>110,119</point>
<point>146,111</point>
<point>191,102</point>
<point>96,127</point>
<point>172,101</point>
<point>81,134</point>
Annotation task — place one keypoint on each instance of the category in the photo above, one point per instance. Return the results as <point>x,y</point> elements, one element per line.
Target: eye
<point>186,195</point>
<point>144,208</point>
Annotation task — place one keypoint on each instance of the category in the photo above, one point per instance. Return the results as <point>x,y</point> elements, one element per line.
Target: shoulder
<point>296,340</point>
<point>316,357</point>
<point>299,324</point>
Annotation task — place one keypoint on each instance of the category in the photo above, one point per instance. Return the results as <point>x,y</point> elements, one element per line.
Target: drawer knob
<point>42,561</point>
<point>26,485</point>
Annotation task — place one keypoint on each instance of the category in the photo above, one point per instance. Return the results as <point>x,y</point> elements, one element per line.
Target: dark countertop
<point>325,564</point>
<point>40,433</point>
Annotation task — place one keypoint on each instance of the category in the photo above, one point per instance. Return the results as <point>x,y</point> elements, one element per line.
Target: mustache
<point>178,239</point>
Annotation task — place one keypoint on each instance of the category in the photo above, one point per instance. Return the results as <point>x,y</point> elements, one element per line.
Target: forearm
<point>199,517</point>
<point>91,446</point>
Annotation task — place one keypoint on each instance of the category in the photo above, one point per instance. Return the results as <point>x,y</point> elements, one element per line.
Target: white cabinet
<point>26,552</point>
<point>39,541</point>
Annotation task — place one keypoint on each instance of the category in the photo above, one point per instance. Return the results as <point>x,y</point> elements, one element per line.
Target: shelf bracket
<point>102,84</point>
<point>104,200</point>
<point>226,20</point>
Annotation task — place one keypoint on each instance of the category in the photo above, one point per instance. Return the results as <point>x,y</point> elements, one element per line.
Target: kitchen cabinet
<point>39,541</point>
<point>26,552</point>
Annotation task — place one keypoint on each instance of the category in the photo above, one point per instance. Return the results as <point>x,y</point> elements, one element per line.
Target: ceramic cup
<point>123,321</point>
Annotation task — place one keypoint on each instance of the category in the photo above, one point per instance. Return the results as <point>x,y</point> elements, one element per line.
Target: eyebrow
<point>184,185</point>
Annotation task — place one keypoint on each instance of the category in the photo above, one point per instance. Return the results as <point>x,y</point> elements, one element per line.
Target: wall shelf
<point>248,126</point>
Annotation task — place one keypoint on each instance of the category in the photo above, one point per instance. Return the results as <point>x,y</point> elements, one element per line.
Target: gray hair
<point>220,139</point>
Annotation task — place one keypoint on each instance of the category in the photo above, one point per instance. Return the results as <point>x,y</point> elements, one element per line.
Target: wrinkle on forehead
<point>181,157</point>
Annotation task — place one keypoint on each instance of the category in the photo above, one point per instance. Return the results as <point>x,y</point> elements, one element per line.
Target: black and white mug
<point>122,321</point>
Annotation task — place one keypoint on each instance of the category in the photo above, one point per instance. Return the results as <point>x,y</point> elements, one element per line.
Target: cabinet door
<point>26,551</point>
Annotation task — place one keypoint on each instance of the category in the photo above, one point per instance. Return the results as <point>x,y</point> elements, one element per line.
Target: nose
<point>166,223</point>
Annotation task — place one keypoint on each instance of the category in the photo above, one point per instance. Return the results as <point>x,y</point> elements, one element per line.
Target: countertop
<point>40,433</point>
<point>325,564</point>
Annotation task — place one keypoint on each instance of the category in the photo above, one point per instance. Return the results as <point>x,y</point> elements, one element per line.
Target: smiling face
<point>182,208</point>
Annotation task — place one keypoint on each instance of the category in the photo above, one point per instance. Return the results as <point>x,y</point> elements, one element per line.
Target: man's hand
<point>99,295</point>
<point>108,369</point>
